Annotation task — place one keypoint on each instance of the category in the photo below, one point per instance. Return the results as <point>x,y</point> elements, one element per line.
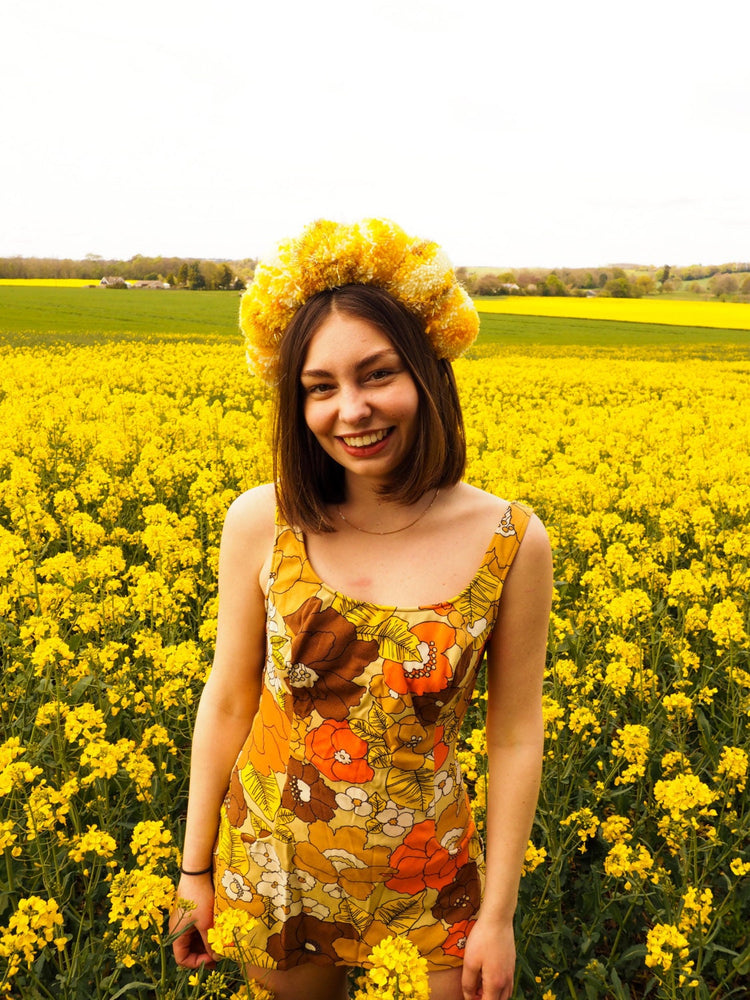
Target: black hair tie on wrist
<point>203,871</point>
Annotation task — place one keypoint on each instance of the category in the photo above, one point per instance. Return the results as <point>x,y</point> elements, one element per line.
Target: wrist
<point>196,871</point>
<point>499,915</point>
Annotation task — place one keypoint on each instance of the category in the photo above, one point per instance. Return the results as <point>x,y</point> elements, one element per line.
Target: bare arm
<point>515,737</point>
<point>227,706</point>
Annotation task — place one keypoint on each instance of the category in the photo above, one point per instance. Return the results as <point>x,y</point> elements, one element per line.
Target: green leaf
<point>129,987</point>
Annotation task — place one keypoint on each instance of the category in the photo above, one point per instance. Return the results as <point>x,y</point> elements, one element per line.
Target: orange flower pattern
<point>346,818</point>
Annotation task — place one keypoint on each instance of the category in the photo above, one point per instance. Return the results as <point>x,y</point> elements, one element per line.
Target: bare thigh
<point>446,985</point>
<point>304,982</point>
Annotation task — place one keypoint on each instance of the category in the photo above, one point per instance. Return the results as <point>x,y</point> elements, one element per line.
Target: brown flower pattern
<point>459,900</point>
<point>306,794</point>
<point>305,938</point>
<point>325,657</point>
<point>346,817</point>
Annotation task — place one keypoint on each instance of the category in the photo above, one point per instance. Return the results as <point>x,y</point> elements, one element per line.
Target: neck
<point>368,510</point>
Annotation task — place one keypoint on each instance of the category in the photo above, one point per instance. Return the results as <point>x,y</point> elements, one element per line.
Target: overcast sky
<point>548,134</point>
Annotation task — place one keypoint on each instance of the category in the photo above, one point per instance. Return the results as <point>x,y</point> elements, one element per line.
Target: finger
<point>190,951</point>
<point>213,957</point>
<point>470,982</point>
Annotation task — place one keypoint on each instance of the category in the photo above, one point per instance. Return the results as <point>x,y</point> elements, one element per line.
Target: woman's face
<point>360,400</point>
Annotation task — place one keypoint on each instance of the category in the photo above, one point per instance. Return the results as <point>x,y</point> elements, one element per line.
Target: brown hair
<point>307,479</point>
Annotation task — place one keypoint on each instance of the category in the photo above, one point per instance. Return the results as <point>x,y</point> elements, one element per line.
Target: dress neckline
<point>430,606</point>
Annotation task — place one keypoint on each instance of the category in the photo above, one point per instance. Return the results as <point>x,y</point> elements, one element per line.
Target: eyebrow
<point>388,352</point>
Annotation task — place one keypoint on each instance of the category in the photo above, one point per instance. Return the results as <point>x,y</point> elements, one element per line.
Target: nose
<point>354,406</point>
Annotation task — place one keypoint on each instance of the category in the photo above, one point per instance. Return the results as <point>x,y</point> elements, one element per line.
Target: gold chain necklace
<point>393,531</point>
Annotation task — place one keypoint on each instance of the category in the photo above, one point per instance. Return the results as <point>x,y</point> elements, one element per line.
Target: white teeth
<point>365,439</point>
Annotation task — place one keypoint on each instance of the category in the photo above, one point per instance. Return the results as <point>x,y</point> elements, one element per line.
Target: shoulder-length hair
<point>307,478</point>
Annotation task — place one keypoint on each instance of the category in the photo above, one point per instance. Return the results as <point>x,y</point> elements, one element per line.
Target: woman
<point>358,597</point>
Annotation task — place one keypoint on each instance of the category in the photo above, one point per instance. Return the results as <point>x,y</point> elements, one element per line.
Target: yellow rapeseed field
<point>117,464</point>
<point>722,315</point>
<point>49,282</point>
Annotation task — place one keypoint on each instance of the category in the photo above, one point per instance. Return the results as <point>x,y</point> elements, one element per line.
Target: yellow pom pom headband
<point>372,252</point>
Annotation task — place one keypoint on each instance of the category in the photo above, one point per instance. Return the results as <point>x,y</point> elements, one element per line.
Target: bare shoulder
<point>533,561</point>
<point>249,531</point>
<point>530,576</point>
<point>470,501</point>
<point>520,638</point>
<point>535,543</point>
<point>251,516</point>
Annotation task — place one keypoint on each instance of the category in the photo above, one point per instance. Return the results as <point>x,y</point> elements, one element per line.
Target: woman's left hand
<point>489,960</point>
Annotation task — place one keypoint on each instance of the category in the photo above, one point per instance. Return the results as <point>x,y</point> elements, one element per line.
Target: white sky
<point>553,133</point>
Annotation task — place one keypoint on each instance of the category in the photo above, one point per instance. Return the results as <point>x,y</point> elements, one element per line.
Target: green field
<point>90,315</point>
<point>92,312</point>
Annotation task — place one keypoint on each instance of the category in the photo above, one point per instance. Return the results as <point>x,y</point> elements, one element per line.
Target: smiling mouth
<point>365,440</point>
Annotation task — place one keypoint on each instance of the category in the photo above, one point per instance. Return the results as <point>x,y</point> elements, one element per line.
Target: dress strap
<point>508,537</point>
<point>288,545</point>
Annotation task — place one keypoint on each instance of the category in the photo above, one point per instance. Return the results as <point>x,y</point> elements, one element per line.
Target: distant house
<point>152,284</point>
<point>114,281</point>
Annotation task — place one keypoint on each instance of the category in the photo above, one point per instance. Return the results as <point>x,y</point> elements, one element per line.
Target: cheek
<point>408,404</point>
<point>311,414</point>
<point>317,418</point>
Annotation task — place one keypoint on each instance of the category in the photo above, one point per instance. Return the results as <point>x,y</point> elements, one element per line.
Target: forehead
<point>344,341</point>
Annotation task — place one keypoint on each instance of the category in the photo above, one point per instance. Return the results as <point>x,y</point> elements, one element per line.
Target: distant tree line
<point>726,281</point>
<point>186,272</point>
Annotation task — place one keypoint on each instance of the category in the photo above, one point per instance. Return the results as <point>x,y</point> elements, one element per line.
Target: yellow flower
<point>139,899</point>
<point>726,624</point>
<point>84,724</point>
<point>684,794</point>
<point>632,745</point>
<point>47,807</point>
<point>675,761</point>
<point>7,834</point>
<point>533,858</point>
<point>616,828</point>
<point>253,991</point>
<point>624,861</point>
<point>33,925</point>
<point>685,800</point>
<point>733,767</point>
<point>151,843</point>
<point>696,909</point>
<point>586,825</point>
<point>228,932</point>
<point>398,970</point>
<point>371,252</point>
<point>94,841</point>
<point>678,704</point>
<point>664,944</point>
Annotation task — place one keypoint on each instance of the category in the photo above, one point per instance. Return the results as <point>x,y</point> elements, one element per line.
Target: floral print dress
<point>346,818</point>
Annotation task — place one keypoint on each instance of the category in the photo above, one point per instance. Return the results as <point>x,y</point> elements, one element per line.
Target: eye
<point>318,388</point>
<point>379,374</point>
